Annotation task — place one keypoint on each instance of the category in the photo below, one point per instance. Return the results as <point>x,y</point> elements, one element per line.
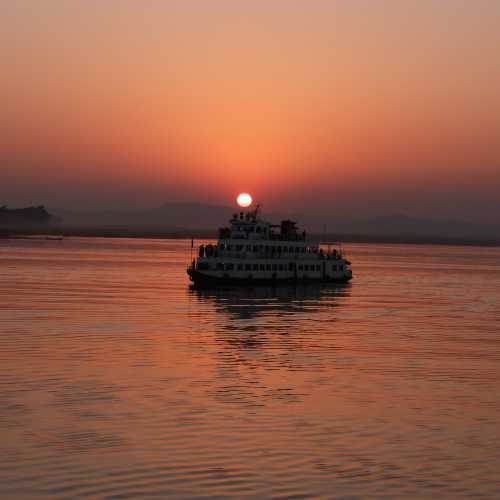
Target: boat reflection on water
<point>251,302</point>
<point>281,318</point>
<point>262,335</point>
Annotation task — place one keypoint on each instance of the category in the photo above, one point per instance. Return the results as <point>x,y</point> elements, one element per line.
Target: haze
<point>366,107</point>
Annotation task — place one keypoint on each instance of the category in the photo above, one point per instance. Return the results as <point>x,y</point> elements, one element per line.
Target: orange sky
<point>386,105</point>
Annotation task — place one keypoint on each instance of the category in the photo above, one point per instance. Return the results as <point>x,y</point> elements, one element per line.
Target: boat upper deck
<point>248,226</point>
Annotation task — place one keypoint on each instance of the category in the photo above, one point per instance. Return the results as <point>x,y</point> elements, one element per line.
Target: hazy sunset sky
<point>369,106</point>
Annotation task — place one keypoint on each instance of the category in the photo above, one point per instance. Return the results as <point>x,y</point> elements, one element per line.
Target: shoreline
<point>61,232</point>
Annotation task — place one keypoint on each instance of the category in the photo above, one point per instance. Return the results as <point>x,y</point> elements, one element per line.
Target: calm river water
<point>118,381</point>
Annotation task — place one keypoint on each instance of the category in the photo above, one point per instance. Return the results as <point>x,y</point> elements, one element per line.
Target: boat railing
<point>266,255</point>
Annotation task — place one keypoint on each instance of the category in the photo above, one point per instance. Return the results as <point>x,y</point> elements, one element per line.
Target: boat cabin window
<point>280,267</point>
<point>301,267</point>
<point>306,268</point>
<point>274,267</point>
<point>240,267</point>
<point>290,266</point>
<point>262,267</point>
<point>229,267</point>
<point>285,249</point>
<point>248,248</point>
<point>268,267</point>
<point>255,248</point>
<point>256,267</point>
<point>248,267</point>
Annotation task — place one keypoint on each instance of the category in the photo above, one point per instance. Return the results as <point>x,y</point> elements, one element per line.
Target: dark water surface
<point>118,381</point>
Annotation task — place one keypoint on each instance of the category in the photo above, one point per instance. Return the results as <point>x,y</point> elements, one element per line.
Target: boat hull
<point>200,279</point>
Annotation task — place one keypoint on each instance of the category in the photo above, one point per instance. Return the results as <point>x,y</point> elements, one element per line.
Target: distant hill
<point>403,225</point>
<point>29,216</point>
<point>168,215</point>
<point>202,217</point>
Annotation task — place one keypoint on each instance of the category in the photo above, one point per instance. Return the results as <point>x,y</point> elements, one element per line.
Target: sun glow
<point>244,200</point>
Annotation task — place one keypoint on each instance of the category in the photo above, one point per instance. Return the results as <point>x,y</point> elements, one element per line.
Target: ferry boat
<point>251,251</point>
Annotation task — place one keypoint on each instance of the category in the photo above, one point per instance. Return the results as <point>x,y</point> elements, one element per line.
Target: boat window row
<point>268,248</point>
<point>291,266</point>
<point>311,267</point>
<point>251,229</point>
<point>220,266</point>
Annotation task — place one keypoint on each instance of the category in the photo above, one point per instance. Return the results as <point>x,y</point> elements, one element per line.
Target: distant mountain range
<point>168,215</point>
<point>203,217</point>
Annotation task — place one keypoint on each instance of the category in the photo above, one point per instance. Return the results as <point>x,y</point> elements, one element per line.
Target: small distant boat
<point>250,252</point>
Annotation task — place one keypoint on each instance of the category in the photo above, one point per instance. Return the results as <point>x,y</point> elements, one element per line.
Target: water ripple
<point>119,381</point>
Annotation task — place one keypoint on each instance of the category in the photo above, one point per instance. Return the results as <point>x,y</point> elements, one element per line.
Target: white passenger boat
<point>252,251</point>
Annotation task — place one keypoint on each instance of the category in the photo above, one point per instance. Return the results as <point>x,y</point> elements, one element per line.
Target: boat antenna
<point>256,211</point>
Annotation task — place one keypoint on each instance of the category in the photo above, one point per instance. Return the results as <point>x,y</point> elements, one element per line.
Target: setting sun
<point>244,200</point>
